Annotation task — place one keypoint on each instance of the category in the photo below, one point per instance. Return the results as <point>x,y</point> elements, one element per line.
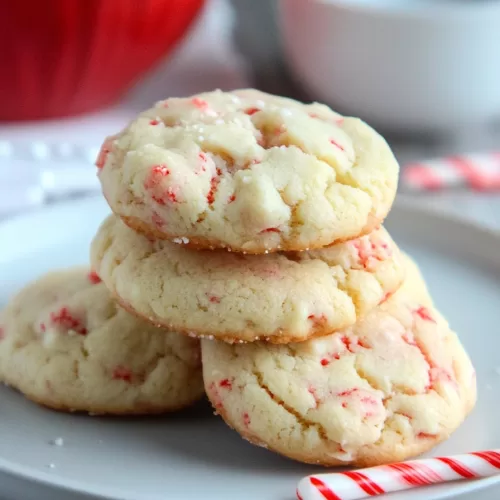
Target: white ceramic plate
<point>194,455</point>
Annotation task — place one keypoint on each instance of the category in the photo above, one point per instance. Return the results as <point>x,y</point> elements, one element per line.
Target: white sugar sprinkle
<point>182,240</point>
<point>201,138</point>
<point>246,180</point>
<point>57,441</point>
<point>51,466</point>
<point>219,121</point>
<point>285,112</point>
<point>259,103</point>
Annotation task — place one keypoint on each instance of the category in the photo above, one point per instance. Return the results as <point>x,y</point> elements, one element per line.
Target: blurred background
<point>425,73</point>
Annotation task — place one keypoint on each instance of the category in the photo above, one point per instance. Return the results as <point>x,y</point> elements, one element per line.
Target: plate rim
<point>413,207</point>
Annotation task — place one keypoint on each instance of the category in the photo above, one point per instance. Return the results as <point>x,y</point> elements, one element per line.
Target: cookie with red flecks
<point>248,171</point>
<point>279,297</point>
<point>390,387</point>
<point>67,345</point>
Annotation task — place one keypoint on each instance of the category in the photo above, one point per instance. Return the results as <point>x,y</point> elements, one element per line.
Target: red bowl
<point>64,57</point>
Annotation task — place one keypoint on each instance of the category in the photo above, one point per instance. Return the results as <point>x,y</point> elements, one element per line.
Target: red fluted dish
<point>64,57</point>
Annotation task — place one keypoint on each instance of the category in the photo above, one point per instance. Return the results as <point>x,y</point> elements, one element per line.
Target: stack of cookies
<point>253,222</point>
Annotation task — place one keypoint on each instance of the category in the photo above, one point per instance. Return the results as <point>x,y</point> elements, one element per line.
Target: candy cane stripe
<point>408,476</point>
<point>456,466</point>
<point>414,476</point>
<point>491,457</point>
<point>430,473</point>
<point>324,489</point>
<point>353,485</point>
<point>423,177</point>
<point>470,172</point>
<point>365,483</point>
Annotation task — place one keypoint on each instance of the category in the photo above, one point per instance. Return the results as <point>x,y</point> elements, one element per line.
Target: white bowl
<point>401,64</point>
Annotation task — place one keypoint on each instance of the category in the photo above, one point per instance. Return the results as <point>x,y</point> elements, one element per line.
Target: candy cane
<point>479,172</point>
<point>352,485</point>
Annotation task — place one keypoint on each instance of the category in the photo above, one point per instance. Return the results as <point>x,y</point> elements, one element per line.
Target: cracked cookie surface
<point>248,171</point>
<point>67,345</point>
<point>390,387</point>
<point>279,297</point>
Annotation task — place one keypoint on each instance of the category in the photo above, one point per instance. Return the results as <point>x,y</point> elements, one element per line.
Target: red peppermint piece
<point>203,161</point>
<point>103,153</point>
<point>349,343</point>
<point>425,314</point>
<point>214,182</point>
<point>336,144</point>
<point>270,230</point>
<point>425,435</point>
<point>66,321</point>
<point>171,194</point>
<point>251,111</point>
<point>348,392</point>
<point>200,103</point>
<point>94,278</point>
<point>226,383</point>
<point>232,198</point>
<point>122,373</point>
<point>161,170</point>
<point>214,299</point>
<point>215,396</point>
<point>246,419</point>
<point>154,122</point>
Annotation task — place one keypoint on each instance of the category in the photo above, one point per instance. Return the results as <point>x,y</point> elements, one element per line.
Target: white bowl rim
<point>418,8</point>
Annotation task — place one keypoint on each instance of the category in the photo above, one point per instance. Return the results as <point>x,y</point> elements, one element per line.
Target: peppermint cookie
<point>280,297</point>
<point>248,171</point>
<point>65,344</point>
<point>391,387</point>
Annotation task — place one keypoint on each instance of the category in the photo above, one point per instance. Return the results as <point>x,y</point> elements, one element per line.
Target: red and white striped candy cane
<point>374,481</point>
<point>480,172</point>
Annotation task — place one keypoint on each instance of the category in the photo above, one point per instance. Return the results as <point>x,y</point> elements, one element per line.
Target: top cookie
<point>248,171</point>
